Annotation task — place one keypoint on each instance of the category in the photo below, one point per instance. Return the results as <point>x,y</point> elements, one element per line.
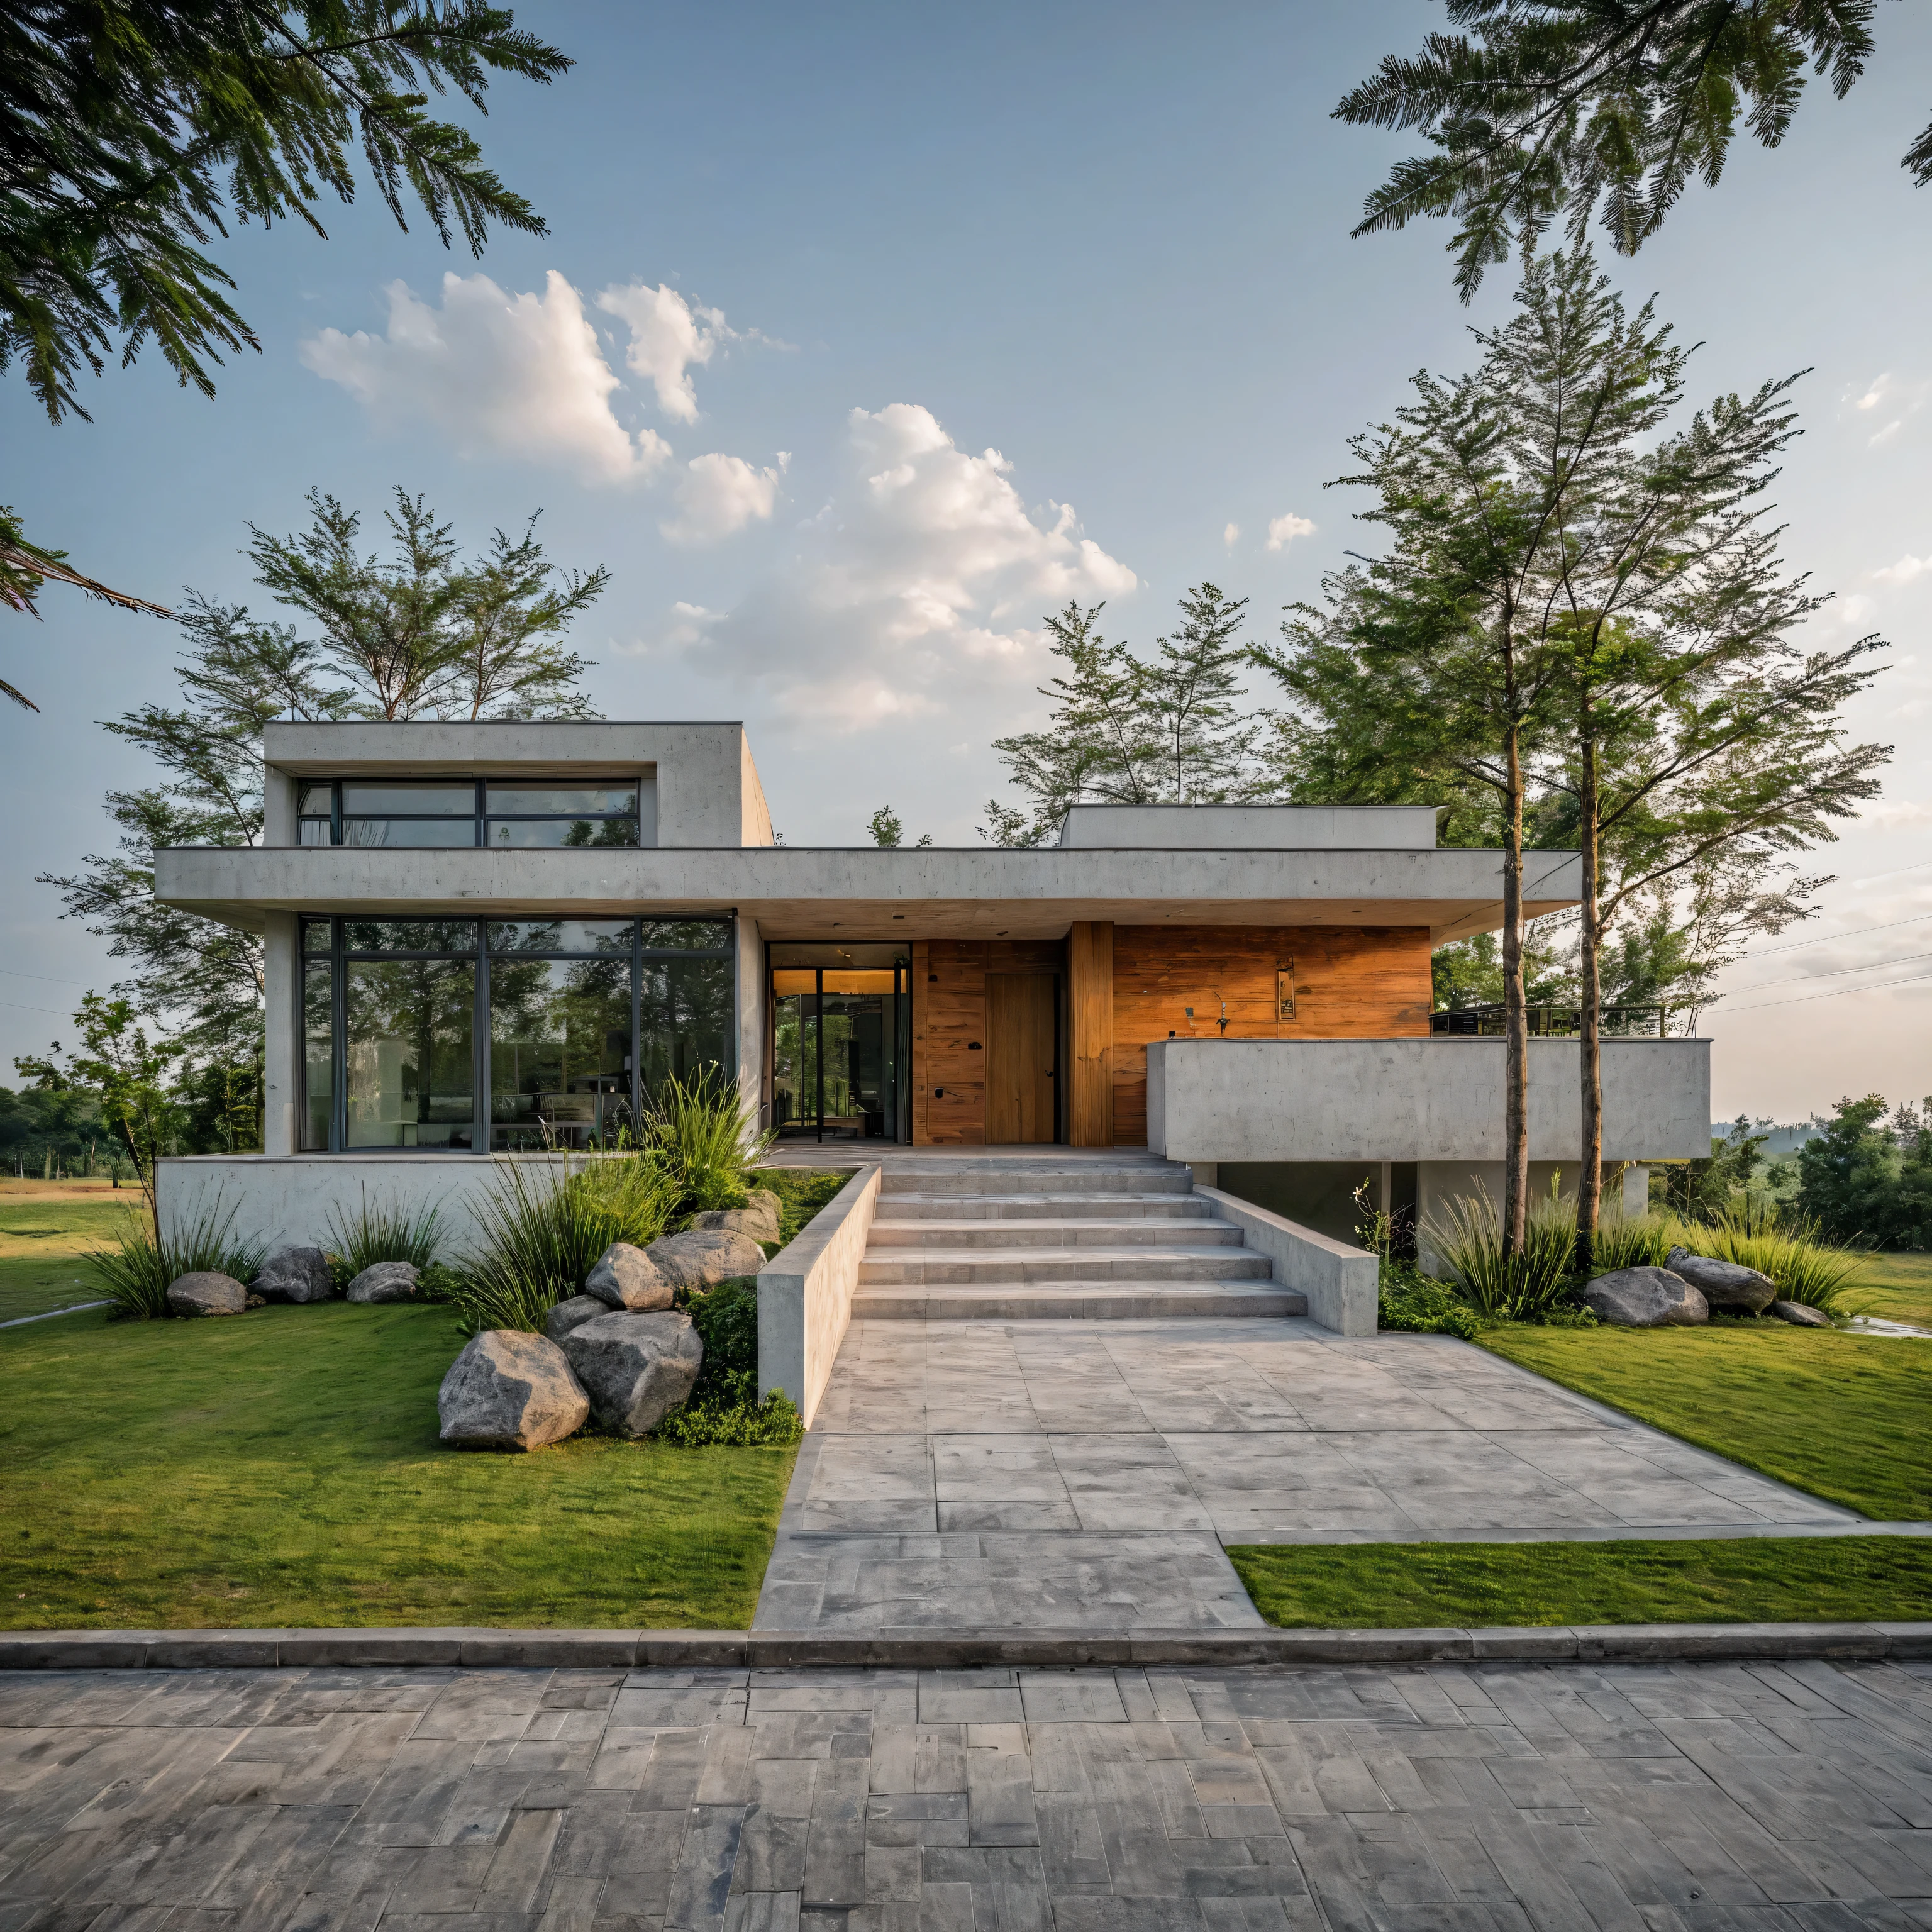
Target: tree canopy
<point>1544,110</point>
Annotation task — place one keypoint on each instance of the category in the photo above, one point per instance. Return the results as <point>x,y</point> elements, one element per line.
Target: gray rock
<point>1798,1312</point>
<point>636,1368</point>
<point>385,1281</point>
<point>510,1390</point>
<point>1646,1297</point>
<point>627,1278</point>
<point>295,1274</point>
<point>573,1314</point>
<point>1737,1291</point>
<point>702,1257</point>
<point>758,1218</point>
<point>204,1293</point>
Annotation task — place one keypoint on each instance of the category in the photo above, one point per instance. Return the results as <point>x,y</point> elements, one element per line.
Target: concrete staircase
<point>1031,1239</point>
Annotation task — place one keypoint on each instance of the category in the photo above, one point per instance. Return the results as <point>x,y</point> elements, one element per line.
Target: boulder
<point>1798,1312</point>
<point>758,1218</point>
<point>1724,1284</point>
<point>702,1257</point>
<point>1646,1297</point>
<point>385,1281</point>
<point>510,1390</point>
<point>573,1314</point>
<point>626,1277</point>
<point>295,1274</point>
<point>636,1368</point>
<point>204,1293</point>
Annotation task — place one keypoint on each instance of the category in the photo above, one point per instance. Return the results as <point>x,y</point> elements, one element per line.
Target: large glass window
<point>522,1032</point>
<point>466,811</point>
<point>841,1041</point>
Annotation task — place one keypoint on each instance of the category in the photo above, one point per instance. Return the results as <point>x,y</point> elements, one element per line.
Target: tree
<point>1697,1190</point>
<point>118,1061</point>
<point>888,828</point>
<point>1864,1181</point>
<point>1192,703</point>
<point>509,660</point>
<point>1570,109</point>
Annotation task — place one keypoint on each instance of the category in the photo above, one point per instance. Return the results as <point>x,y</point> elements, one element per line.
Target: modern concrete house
<point>494,939</point>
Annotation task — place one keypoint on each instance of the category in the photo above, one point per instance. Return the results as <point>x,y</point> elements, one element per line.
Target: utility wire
<point>1802,999</point>
<point>1877,965</point>
<point>1828,938</point>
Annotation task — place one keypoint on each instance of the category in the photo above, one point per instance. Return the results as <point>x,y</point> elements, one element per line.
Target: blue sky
<point>844,253</point>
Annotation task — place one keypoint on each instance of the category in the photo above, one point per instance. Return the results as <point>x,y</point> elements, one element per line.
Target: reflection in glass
<point>687,935</point>
<point>452,801</point>
<point>559,1051</point>
<point>589,800</point>
<point>795,1061</point>
<point>511,832</point>
<point>840,1046</point>
<point>315,935</point>
<point>317,801</point>
<point>409,1062</point>
<point>562,935</point>
<point>409,832</point>
<point>685,1006</point>
<point>318,1049</point>
<point>409,935</point>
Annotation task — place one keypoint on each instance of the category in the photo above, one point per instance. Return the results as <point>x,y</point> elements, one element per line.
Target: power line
<point>1877,965</point>
<point>15,1006</point>
<point>17,974</point>
<point>1803,999</point>
<point>1800,945</point>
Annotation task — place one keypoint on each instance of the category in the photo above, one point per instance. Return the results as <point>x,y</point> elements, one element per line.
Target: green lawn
<point>1431,1586</point>
<point>1897,1287</point>
<point>45,1227</point>
<point>1846,1417</point>
<point>281,1467</point>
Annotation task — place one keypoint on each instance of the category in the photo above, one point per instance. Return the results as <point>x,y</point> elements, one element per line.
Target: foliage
<point>1788,1252</point>
<point>1518,1286</point>
<point>801,1193</point>
<point>50,1117</point>
<point>1570,109</point>
<point>1409,1302</point>
<point>285,1470</point>
<point>1469,972</point>
<point>888,828</point>
<point>1487,1585</point>
<point>1695,1190</point>
<point>137,1271</point>
<point>723,1408</point>
<point>1128,730</point>
<point>117,1060</point>
<point>703,1133</point>
<point>542,1236</point>
<point>123,118</point>
<point>1868,1180</point>
<point>386,1232</point>
<point>1846,1417</point>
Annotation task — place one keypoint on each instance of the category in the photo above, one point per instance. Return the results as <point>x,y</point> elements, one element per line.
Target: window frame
<point>480,817</point>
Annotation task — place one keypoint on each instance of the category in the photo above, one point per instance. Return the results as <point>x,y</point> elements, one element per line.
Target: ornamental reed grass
<point>386,1234</point>
<point>704,1134</point>
<point>1806,1269</point>
<point>1468,1247</point>
<point>136,1273</point>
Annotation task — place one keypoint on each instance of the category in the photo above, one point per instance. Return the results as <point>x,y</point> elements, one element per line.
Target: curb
<point>642,1649</point>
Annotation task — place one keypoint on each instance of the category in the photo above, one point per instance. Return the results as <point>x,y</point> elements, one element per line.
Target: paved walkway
<point>1083,1476</point>
<point>1703,1798</point>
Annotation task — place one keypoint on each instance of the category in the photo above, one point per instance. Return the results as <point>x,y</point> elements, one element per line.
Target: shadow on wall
<point>1318,1194</point>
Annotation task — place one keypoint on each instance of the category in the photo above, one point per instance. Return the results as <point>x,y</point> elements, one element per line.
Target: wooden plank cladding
<point>1090,1009</point>
<point>950,1026</point>
<point>1269,983</point>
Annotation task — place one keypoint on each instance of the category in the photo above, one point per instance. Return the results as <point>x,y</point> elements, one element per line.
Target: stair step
<point>1037,1177</point>
<point>881,1267</point>
<point>1057,1233</point>
<point>1078,1301</point>
<point>1047,1207</point>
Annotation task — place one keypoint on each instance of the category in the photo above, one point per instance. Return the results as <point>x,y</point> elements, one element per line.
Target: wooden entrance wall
<point>949,1030</point>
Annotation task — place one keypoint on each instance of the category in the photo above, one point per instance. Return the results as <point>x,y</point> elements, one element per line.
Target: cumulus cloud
<point>1904,570</point>
<point>501,375</point>
<point>669,337</point>
<point>914,591</point>
<point>719,495</point>
<point>1232,535</point>
<point>1283,531</point>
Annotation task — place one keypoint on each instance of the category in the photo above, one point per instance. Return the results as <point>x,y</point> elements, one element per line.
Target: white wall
<point>1418,1099</point>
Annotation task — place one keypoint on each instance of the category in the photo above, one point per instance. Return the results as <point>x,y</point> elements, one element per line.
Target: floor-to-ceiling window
<point>503,1034</point>
<point>842,1031</point>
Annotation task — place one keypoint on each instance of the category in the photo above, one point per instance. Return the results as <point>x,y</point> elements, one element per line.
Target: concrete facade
<point>1252,828</point>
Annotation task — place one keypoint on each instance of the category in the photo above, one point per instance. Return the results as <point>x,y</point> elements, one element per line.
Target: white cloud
<point>913,593</point>
<point>1875,394</point>
<point>1232,535</point>
<point>669,337</point>
<point>501,375</point>
<point>1904,570</point>
<point>1283,531</point>
<point>720,495</point>
<point>1894,815</point>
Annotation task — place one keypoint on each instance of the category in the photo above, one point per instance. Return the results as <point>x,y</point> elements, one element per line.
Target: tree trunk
<point>1589,1179</point>
<point>1516,1013</point>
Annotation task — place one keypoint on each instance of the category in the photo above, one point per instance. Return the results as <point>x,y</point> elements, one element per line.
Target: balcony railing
<point>1549,1022</point>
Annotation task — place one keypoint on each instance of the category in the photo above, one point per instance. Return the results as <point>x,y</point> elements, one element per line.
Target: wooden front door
<point>1021,1059</point>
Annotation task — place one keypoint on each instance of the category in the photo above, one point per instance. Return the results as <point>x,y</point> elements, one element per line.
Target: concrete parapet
<point>805,1294</point>
<point>1338,1281</point>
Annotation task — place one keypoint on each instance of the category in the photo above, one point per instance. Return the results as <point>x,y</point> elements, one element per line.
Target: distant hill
<point>1777,1141</point>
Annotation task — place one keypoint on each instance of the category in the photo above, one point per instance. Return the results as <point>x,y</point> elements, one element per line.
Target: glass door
<point>841,1032</point>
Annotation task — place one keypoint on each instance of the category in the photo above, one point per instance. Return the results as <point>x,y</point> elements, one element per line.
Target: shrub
<point>703,1133</point>
<point>1793,1256</point>
<point>1412,1302</point>
<point>1640,1240</point>
<point>385,1233</point>
<point>1509,1287</point>
<point>541,1237</point>
<point>723,1409</point>
<point>136,1272</point>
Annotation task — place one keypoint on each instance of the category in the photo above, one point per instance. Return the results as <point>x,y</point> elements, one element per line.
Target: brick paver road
<point>1779,1798</point>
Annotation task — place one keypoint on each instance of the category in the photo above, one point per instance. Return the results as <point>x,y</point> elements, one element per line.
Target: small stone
<point>758,1218</point>
<point>626,1277</point>
<point>1646,1297</point>
<point>385,1281</point>
<point>573,1314</point>
<point>205,1293</point>
<point>1724,1285</point>
<point>295,1274</point>
<point>256,1301</point>
<point>510,1390</point>
<point>1800,1312</point>
<point>636,1368</point>
<point>702,1257</point>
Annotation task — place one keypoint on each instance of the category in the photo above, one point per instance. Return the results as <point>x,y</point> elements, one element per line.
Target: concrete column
<point>282,1045</point>
<point>281,824</point>
<point>749,1034</point>
<point>1090,973</point>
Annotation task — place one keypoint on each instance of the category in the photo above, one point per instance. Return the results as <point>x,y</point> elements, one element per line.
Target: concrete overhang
<point>922,893</point>
<point>488,747</point>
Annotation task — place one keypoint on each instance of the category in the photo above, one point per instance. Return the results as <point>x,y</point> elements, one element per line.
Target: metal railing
<point>1549,1022</point>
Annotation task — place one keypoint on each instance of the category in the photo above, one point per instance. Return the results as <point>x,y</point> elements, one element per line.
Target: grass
<point>1846,1417</point>
<point>1897,1288</point>
<point>281,1467</point>
<point>801,1193</point>
<point>46,1226</point>
<point>1459,1585</point>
